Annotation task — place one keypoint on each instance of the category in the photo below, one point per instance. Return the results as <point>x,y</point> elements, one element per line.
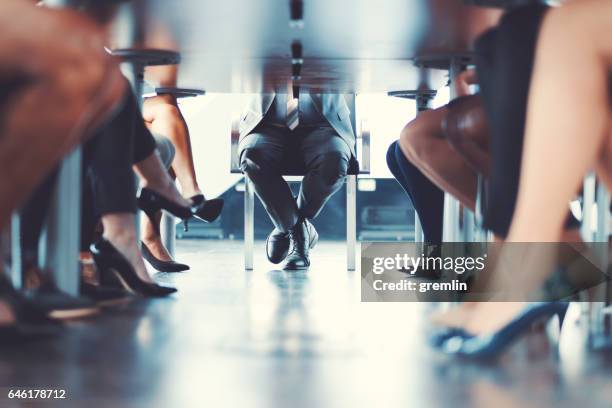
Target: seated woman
<point>78,73</point>
<point>422,160</point>
<point>162,116</point>
<point>425,142</point>
<point>567,52</point>
<point>120,146</point>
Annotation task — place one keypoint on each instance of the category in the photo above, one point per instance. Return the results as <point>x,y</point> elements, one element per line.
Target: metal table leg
<point>249,223</point>
<point>63,231</point>
<point>351,221</point>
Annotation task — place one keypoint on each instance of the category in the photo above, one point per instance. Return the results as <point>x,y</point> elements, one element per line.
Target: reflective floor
<point>269,338</point>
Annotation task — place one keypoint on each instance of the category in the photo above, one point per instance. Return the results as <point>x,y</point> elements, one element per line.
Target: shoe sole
<point>114,302</point>
<point>73,314</point>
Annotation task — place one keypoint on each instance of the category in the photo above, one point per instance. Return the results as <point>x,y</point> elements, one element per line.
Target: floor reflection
<point>270,338</point>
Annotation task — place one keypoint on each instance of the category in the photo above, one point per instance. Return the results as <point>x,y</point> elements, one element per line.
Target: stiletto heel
<point>489,346</point>
<point>116,271</point>
<point>206,210</point>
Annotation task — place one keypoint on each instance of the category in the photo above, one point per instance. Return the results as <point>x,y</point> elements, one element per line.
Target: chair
<point>356,167</point>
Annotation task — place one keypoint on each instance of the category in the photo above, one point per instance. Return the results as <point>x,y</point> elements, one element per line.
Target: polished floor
<point>269,338</point>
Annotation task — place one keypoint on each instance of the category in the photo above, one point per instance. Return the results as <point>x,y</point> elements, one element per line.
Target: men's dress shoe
<point>303,237</point>
<point>277,246</point>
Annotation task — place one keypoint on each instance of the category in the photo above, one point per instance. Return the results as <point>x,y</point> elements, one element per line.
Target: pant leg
<point>426,197</point>
<point>110,155</point>
<point>504,61</point>
<point>326,156</point>
<point>33,215</point>
<point>262,157</point>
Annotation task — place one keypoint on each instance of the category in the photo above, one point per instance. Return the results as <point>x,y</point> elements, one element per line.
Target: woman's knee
<point>415,144</point>
<point>391,161</point>
<point>164,112</point>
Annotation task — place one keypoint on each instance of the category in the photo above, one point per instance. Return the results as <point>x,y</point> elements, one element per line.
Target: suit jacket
<point>332,106</point>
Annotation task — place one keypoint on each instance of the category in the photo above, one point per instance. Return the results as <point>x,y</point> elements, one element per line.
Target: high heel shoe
<point>152,202</point>
<point>206,210</point>
<point>116,271</point>
<point>464,344</point>
<point>162,266</point>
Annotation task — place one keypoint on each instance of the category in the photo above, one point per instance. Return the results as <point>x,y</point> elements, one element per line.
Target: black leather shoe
<point>303,237</point>
<point>277,246</point>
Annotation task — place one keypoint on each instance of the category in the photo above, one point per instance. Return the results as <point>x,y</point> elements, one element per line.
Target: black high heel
<point>151,202</point>
<point>162,266</point>
<point>206,210</point>
<point>463,344</point>
<point>116,271</point>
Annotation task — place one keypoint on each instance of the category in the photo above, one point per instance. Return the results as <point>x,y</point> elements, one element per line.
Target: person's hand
<point>463,81</point>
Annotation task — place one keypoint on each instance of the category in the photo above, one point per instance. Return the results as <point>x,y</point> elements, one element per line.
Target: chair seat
<point>414,94</point>
<point>180,92</point>
<point>147,57</point>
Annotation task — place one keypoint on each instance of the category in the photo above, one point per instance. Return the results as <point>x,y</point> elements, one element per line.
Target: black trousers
<point>109,184</point>
<point>318,152</point>
<point>427,199</point>
<point>504,61</point>
<point>110,155</point>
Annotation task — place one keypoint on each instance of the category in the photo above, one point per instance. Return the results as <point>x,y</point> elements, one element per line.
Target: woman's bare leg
<point>566,125</point>
<point>153,175</point>
<point>164,117</point>
<point>424,144</point>
<point>567,134</point>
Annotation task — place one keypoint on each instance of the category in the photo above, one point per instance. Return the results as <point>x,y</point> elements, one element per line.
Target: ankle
<point>190,190</point>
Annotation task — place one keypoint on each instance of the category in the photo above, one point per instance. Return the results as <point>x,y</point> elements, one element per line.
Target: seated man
<point>279,133</point>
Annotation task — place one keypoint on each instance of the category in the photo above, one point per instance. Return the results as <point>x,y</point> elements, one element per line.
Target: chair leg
<point>588,201</point>
<point>62,237</point>
<point>16,257</point>
<point>452,210</point>
<point>418,229</point>
<point>249,220</point>
<point>168,232</point>
<point>603,213</point>
<point>351,221</point>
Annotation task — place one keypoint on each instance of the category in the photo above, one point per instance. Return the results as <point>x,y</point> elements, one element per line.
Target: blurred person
<point>69,88</point>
